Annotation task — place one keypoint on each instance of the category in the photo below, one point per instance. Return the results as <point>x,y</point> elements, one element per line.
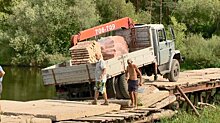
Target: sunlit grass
<point>208,115</point>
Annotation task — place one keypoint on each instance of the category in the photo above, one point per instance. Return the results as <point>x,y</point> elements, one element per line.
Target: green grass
<point>208,115</point>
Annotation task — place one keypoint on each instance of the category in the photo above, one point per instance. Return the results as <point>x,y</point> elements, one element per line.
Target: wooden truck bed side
<point>85,72</point>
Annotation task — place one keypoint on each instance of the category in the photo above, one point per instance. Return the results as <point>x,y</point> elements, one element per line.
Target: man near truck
<point>131,74</point>
<point>101,78</point>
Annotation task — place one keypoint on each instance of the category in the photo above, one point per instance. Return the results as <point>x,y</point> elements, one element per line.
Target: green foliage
<point>115,9</point>
<point>201,53</point>
<point>208,115</point>
<point>199,16</point>
<point>38,32</point>
<point>179,30</point>
<point>41,28</point>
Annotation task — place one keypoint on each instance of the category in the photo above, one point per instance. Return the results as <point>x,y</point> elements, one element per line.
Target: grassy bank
<point>208,115</point>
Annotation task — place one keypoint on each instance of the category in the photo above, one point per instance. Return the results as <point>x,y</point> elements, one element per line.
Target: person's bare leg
<point>96,95</point>
<point>132,98</point>
<point>135,99</point>
<point>105,97</point>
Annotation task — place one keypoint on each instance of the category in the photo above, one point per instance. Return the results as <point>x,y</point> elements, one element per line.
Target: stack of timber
<point>113,46</point>
<point>84,52</point>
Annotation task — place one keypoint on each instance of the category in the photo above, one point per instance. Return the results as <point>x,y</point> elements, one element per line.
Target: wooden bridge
<point>158,99</point>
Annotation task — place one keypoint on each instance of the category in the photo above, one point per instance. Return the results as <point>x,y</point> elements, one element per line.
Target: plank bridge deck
<point>155,97</point>
<point>190,81</point>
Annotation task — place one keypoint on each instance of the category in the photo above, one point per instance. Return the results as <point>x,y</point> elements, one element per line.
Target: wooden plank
<point>97,119</point>
<point>109,118</point>
<point>153,98</point>
<point>55,110</point>
<point>72,122</point>
<point>23,119</point>
<point>124,102</point>
<point>151,109</point>
<point>139,111</point>
<point>157,116</point>
<point>124,116</point>
<point>188,78</point>
<point>164,102</point>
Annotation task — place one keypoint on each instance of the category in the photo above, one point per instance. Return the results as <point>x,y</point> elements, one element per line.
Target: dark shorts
<point>132,85</point>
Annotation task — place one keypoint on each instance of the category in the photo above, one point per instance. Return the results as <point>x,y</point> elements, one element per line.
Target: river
<point>25,84</point>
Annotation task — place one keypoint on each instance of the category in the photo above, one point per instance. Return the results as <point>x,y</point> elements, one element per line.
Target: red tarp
<point>113,46</point>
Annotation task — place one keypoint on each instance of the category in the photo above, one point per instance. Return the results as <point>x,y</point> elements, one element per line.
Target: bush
<point>201,53</point>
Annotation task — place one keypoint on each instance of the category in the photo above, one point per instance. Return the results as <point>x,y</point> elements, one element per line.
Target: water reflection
<point>23,84</point>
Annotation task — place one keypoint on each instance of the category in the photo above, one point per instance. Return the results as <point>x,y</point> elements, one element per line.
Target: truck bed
<point>73,74</point>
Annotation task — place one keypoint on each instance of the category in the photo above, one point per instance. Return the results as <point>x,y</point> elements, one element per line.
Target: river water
<point>24,84</point>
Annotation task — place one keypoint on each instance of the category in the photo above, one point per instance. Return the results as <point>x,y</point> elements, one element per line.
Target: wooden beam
<point>187,100</point>
<point>157,116</point>
<point>170,99</point>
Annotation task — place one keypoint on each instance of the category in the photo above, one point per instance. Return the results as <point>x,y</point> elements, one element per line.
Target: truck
<point>149,48</point>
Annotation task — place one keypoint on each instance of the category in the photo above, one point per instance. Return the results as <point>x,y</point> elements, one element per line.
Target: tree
<point>40,31</point>
<point>199,16</point>
<point>114,9</point>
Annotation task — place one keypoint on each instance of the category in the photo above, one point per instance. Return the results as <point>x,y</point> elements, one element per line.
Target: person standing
<point>100,78</point>
<point>2,73</point>
<point>131,74</point>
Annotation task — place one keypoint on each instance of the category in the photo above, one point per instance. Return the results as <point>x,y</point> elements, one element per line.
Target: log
<point>151,109</point>
<point>164,102</point>
<point>206,104</point>
<point>157,116</point>
<point>187,100</point>
<point>123,103</point>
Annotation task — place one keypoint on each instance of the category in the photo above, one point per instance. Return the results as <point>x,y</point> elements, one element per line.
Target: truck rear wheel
<point>123,86</point>
<point>175,70</point>
<point>111,92</point>
<point>117,88</point>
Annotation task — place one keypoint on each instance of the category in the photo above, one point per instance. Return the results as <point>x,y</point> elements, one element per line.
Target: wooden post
<point>208,94</point>
<point>189,102</point>
<point>196,98</point>
<point>200,99</point>
<point>189,97</point>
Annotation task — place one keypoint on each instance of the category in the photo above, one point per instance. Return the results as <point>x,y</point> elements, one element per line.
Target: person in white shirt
<point>100,78</point>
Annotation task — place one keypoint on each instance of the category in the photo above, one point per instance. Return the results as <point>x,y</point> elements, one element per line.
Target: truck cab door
<point>163,46</point>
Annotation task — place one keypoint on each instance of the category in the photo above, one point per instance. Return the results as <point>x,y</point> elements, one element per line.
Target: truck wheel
<point>175,70</point>
<point>117,88</point>
<point>123,86</point>
<point>110,88</point>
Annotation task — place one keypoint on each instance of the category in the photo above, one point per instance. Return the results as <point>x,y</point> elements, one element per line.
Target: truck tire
<point>117,88</point>
<point>110,88</point>
<point>174,72</point>
<point>123,86</point>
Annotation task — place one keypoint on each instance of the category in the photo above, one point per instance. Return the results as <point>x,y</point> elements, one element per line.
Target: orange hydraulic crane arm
<point>113,25</point>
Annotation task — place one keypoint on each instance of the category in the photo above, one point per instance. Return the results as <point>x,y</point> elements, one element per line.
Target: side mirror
<point>172,33</point>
